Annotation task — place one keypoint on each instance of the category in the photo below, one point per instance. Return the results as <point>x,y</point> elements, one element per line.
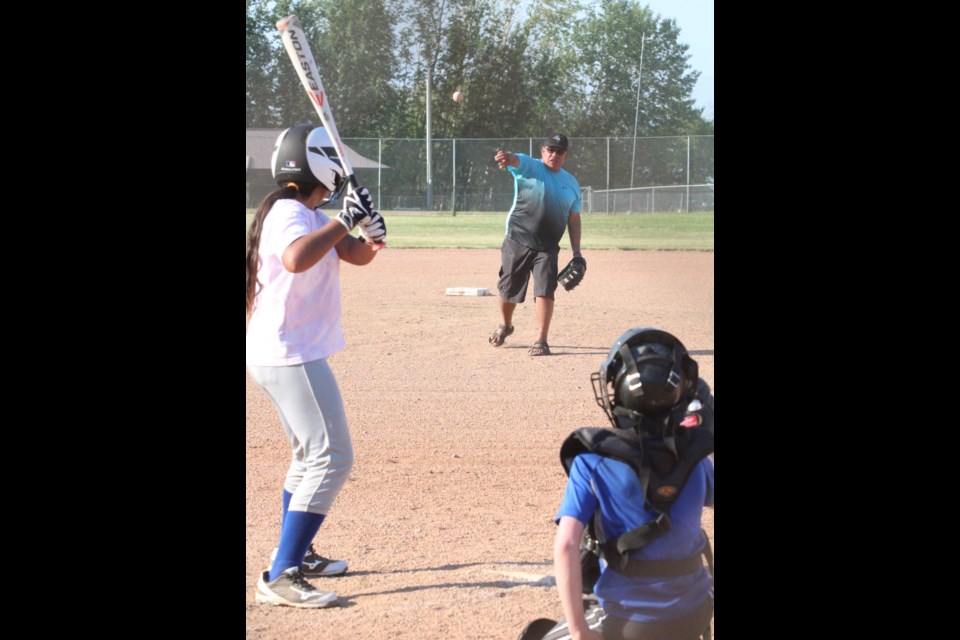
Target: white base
<point>468,291</point>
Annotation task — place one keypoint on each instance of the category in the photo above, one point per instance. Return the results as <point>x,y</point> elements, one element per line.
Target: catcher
<point>635,498</point>
<point>546,204</point>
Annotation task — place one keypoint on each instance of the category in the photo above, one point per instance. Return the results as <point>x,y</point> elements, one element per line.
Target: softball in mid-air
<point>458,96</point>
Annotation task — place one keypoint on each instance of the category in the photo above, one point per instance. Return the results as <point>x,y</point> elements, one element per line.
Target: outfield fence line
<point>616,174</point>
<point>681,199</point>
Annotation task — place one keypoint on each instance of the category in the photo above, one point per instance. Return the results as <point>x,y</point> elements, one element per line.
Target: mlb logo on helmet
<point>290,163</point>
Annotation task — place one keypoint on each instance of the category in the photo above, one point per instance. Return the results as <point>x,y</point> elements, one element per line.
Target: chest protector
<point>663,466</point>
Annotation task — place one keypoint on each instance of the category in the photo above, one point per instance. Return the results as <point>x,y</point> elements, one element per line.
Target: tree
<point>561,80</point>
<point>480,57</point>
<point>354,47</point>
<point>608,44</point>
<point>570,65</point>
<point>261,60</point>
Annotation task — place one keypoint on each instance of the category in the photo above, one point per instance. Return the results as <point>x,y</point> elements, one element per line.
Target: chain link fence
<point>616,175</point>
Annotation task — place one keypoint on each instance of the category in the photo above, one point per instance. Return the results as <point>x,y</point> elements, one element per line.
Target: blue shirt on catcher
<point>614,487</point>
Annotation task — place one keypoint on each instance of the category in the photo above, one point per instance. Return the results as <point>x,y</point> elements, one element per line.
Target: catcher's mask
<point>302,154</point>
<point>647,372</point>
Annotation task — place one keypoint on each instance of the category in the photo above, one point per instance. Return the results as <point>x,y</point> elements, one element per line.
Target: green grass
<point>650,231</point>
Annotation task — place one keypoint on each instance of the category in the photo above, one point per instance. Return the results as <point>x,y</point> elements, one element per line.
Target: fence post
<point>429,206</point>
<point>608,175</point>
<point>453,181</point>
<point>688,174</point>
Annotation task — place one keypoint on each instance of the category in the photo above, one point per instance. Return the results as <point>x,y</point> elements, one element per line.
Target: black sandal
<point>539,348</point>
<point>500,334</point>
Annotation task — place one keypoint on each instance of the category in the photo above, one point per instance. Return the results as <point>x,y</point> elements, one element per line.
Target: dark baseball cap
<point>556,140</point>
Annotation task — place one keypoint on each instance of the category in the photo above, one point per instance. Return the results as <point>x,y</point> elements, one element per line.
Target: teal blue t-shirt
<point>542,203</point>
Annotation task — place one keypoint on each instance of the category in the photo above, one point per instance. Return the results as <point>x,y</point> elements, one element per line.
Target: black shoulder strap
<point>693,441</point>
<point>605,442</point>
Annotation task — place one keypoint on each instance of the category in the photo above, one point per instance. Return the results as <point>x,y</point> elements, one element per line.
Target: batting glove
<point>356,206</point>
<point>373,228</point>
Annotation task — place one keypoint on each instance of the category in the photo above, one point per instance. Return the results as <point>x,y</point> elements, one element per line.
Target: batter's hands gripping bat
<point>295,42</point>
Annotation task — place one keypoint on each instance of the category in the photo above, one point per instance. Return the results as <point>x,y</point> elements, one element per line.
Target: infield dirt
<point>447,519</point>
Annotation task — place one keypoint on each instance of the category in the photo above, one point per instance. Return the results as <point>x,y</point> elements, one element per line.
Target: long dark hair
<point>256,228</point>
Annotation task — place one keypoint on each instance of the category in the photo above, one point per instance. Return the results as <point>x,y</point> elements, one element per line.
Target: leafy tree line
<point>572,65</point>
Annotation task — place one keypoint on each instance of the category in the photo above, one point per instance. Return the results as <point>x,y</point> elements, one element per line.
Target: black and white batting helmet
<point>299,156</point>
<point>646,373</point>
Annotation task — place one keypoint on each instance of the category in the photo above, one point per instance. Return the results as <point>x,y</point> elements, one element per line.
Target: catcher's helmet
<point>647,372</point>
<point>300,156</point>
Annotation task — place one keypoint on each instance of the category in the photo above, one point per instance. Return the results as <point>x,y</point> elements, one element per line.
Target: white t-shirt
<point>296,316</point>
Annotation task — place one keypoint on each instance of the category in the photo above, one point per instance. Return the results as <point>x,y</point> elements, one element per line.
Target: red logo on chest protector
<point>667,491</point>
<point>691,420</point>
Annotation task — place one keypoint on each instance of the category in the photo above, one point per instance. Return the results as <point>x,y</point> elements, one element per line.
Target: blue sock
<point>286,505</point>
<point>299,528</point>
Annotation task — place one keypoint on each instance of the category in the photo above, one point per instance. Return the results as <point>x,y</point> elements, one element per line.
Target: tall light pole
<point>429,133</point>
<point>429,144</point>
<point>636,115</point>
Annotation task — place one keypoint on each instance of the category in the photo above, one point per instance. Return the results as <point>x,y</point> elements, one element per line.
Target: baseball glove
<point>571,275</point>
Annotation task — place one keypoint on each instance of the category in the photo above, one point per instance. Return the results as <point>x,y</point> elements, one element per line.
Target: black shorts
<point>517,262</point>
